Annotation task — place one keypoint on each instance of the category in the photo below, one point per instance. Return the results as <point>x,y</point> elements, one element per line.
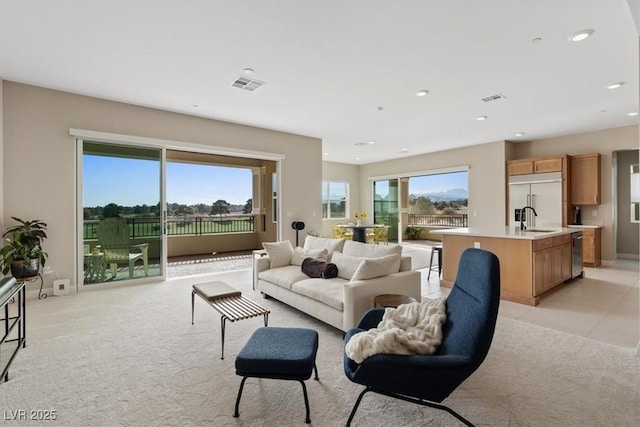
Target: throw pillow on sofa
<point>366,268</point>
<point>347,264</point>
<point>280,253</point>
<point>299,255</point>
<point>377,267</point>
<point>331,245</point>
<point>368,250</point>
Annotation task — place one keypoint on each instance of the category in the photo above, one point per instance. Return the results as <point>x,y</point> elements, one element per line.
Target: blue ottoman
<point>280,354</point>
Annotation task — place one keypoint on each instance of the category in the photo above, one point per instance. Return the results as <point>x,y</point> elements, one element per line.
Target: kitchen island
<point>532,262</point>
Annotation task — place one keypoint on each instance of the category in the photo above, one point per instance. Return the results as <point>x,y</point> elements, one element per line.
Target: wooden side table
<point>391,300</point>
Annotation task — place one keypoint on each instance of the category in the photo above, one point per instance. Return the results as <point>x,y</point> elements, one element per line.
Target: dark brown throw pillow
<point>319,269</point>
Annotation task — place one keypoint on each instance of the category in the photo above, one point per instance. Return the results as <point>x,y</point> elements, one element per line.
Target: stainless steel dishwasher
<point>576,254</point>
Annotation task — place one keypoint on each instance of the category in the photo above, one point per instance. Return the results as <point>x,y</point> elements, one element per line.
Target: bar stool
<point>438,249</point>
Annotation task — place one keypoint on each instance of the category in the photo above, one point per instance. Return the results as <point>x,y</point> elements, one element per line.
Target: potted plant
<point>23,253</point>
<point>413,232</point>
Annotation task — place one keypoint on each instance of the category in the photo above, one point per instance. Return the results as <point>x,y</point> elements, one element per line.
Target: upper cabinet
<point>585,179</point>
<point>535,165</point>
<point>541,165</point>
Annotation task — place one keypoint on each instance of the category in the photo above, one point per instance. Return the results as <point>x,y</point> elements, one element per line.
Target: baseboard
<point>628,256</point>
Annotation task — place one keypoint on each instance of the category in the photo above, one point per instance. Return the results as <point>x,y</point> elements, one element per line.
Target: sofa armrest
<point>260,263</point>
<point>358,295</point>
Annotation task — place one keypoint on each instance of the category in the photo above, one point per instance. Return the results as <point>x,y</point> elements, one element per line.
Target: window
<point>335,203</point>
<point>439,199</point>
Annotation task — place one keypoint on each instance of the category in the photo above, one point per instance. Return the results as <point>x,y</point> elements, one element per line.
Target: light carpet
<point>130,356</point>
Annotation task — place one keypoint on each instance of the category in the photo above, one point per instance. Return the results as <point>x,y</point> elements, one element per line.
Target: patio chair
<point>113,236</point>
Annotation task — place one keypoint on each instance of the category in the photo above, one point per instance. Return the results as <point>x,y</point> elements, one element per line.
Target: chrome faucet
<point>522,226</point>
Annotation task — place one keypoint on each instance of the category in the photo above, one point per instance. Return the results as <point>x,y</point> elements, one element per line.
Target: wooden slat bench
<point>229,302</point>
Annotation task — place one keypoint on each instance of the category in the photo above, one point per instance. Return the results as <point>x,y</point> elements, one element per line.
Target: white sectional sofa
<point>364,271</point>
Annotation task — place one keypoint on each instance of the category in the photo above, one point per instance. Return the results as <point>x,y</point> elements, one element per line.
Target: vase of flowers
<point>358,216</point>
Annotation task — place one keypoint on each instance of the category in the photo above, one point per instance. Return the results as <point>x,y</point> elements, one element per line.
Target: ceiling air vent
<point>494,97</point>
<point>247,84</point>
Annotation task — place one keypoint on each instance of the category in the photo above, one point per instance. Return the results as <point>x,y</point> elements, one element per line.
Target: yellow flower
<point>357,214</point>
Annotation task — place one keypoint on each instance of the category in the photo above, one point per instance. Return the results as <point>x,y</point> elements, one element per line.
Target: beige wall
<point>332,171</point>
<point>604,142</point>
<point>486,163</point>
<point>38,164</point>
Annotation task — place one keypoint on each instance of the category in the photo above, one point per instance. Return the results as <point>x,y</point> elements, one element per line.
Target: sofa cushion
<point>299,255</point>
<point>283,276</point>
<point>347,264</point>
<point>377,267</point>
<point>327,291</point>
<point>367,250</point>
<point>280,253</point>
<point>331,245</point>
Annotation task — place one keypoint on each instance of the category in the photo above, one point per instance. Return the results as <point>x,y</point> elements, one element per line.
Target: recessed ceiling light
<point>633,113</point>
<point>520,134</point>
<point>422,92</point>
<point>195,105</point>
<point>536,40</point>
<point>326,154</point>
<point>404,150</point>
<point>615,85</point>
<point>371,142</point>
<point>357,158</point>
<point>248,71</point>
<point>380,108</point>
<point>481,118</point>
<point>581,35</point>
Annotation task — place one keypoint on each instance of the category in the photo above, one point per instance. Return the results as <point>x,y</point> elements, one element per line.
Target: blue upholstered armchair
<point>472,310</point>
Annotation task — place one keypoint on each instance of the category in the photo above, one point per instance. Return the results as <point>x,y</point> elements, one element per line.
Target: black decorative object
<point>297,225</point>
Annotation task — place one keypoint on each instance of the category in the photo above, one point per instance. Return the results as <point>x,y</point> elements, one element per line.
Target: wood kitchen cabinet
<point>585,179</point>
<point>542,271</point>
<point>591,256</point>
<point>530,266</point>
<point>551,262</point>
<point>536,165</point>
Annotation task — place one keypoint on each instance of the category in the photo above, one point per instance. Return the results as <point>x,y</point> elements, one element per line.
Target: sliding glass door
<point>122,212</point>
<point>386,205</point>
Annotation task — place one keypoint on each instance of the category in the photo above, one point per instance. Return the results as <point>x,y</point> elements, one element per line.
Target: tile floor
<point>603,306</point>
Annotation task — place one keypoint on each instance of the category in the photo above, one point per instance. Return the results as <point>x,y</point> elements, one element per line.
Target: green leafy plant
<point>413,232</point>
<point>24,244</point>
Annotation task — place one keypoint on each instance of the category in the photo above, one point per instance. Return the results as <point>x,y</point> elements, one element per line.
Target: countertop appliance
<point>576,254</point>
<point>541,191</point>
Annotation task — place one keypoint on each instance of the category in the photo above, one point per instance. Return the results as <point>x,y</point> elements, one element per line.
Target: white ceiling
<point>329,66</point>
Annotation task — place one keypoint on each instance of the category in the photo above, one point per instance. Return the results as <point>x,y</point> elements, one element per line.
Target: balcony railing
<point>179,226</point>
<point>457,220</point>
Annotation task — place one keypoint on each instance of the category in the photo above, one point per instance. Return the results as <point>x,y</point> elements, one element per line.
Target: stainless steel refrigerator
<point>541,191</point>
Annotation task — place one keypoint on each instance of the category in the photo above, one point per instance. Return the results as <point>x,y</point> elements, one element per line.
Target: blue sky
<point>130,182</point>
<point>438,183</point>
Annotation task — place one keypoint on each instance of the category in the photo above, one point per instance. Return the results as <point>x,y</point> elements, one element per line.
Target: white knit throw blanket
<point>414,328</point>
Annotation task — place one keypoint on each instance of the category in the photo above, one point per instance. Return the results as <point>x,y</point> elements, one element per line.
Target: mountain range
<point>453,194</point>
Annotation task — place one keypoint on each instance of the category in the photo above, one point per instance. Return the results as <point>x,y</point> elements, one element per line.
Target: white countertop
<point>506,232</point>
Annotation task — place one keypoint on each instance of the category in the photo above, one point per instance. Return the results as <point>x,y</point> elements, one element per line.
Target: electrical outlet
<point>594,212</point>
<point>476,245</point>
